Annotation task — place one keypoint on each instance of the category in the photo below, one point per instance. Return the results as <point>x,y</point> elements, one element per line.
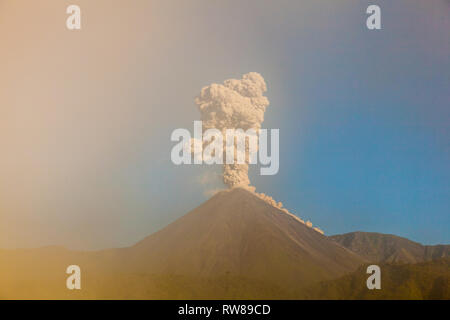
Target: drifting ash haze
<point>238,104</point>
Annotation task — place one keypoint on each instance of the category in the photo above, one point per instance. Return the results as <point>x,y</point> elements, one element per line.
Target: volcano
<point>236,233</point>
<point>235,245</point>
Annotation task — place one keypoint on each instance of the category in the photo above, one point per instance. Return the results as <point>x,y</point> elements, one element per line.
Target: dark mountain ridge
<point>378,247</point>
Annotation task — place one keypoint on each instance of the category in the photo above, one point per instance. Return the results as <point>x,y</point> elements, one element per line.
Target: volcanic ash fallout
<point>238,104</point>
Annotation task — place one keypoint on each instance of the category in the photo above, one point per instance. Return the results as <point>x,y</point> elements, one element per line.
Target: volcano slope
<point>233,246</point>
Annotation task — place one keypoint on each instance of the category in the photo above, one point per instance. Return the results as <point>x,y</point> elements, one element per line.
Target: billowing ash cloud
<point>238,104</point>
<point>235,104</point>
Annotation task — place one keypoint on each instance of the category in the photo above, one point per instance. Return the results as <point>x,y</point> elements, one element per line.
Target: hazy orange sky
<point>79,108</point>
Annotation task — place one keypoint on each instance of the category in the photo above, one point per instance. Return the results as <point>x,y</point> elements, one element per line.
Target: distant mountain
<point>426,280</point>
<point>378,247</point>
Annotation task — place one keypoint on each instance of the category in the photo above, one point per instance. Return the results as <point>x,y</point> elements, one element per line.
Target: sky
<point>86,116</point>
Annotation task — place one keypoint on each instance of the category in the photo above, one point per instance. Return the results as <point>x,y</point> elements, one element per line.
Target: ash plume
<point>238,104</point>
<point>235,104</point>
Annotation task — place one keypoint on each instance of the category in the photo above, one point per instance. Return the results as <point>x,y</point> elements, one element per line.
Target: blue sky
<point>369,116</point>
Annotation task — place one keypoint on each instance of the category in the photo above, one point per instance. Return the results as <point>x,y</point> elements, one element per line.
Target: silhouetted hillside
<point>426,280</point>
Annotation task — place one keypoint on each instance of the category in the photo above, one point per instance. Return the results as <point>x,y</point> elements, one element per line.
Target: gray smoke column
<point>235,104</point>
